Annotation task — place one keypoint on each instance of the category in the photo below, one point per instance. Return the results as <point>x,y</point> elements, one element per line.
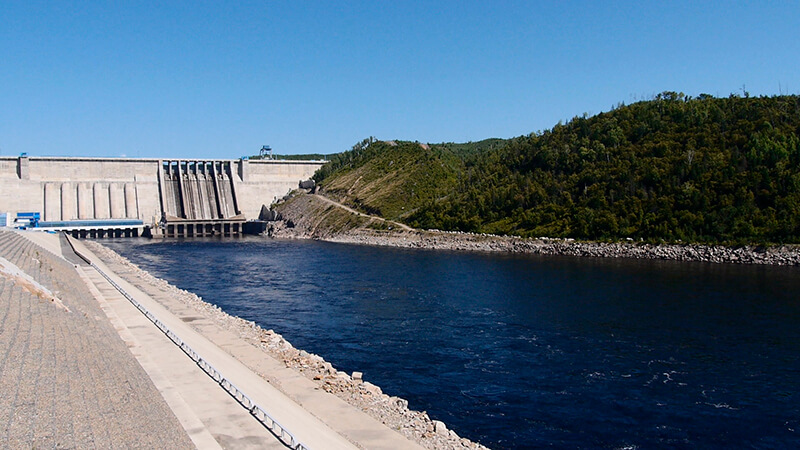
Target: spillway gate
<point>198,198</point>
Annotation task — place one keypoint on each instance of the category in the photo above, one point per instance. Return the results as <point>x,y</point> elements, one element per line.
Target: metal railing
<point>255,410</point>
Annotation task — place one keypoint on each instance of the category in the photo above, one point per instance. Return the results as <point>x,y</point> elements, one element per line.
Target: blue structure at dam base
<point>92,228</point>
<point>79,228</point>
<point>92,223</point>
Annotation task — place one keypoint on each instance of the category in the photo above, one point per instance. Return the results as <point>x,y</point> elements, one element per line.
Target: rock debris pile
<point>389,410</point>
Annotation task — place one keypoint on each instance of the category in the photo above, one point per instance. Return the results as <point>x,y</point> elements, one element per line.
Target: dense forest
<point>674,168</point>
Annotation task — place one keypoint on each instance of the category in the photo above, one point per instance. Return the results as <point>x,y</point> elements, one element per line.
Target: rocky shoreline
<point>784,255</point>
<point>310,216</point>
<point>389,410</point>
<point>776,255</point>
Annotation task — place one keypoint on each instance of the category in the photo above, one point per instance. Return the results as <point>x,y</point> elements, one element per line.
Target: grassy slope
<point>392,180</point>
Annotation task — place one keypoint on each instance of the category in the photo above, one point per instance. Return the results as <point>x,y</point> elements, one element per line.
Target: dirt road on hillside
<point>353,211</point>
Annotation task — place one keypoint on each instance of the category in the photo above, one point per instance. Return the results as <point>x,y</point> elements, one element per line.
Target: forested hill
<point>673,168</point>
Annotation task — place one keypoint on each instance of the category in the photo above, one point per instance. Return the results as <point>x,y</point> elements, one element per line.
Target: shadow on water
<point>525,351</point>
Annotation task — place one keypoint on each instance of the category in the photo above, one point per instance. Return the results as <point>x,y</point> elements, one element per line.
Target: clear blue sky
<point>219,79</point>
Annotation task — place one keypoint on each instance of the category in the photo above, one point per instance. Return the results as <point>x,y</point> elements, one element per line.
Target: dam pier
<point>116,197</point>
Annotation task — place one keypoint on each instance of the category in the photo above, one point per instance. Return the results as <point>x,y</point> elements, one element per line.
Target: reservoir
<point>518,351</point>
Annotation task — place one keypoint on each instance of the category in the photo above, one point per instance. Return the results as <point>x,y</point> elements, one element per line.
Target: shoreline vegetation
<point>392,411</point>
<point>312,216</point>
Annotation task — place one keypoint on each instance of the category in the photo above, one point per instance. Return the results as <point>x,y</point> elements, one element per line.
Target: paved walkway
<point>66,378</point>
<point>345,419</point>
<point>96,373</point>
<point>209,414</point>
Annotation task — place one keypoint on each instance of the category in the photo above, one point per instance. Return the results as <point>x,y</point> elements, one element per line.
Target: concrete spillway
<point>198,198</point>
<point>198,190</point>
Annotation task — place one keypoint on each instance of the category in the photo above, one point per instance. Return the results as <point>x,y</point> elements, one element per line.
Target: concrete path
<point>100,374</point>
<point>66,378</point>
<point>212,418</point>
<point>306,428</point>
<point>347,420</point>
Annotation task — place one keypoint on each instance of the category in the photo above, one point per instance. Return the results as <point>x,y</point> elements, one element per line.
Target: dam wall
<point>65,188</point>
<point>265,181</point>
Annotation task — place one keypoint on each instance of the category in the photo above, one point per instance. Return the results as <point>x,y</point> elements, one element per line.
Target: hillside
<point>673,168</point>
<point>390,179</point>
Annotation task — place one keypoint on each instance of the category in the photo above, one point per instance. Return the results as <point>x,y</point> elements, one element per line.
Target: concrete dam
<point>123,196</point>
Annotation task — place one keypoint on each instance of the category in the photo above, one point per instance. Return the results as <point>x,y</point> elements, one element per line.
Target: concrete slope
<point>66,378</point>
<point>211,417</point>
<point>306,428</point>
<point>351,422</point>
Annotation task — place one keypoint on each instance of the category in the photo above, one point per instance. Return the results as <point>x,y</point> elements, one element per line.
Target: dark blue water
<point>524,351</point>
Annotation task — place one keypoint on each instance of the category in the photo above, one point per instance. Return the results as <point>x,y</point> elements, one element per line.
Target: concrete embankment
<point>82,366</point>
<point>66,378</point>
<point>206,373</point>
<point>355,408</point>
<point>313,217</point>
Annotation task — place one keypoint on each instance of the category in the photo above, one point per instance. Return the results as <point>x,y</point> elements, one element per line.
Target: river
<point>518,351</point>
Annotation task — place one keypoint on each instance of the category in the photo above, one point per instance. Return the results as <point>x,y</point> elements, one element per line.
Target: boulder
<point>267,214</point>
<point>440,428</point>
<point>375,390</point>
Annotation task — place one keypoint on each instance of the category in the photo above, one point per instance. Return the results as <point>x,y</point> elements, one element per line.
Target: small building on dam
<point>125,196</point>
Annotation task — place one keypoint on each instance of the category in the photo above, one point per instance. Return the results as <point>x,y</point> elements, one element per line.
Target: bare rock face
<point>268,215</point>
